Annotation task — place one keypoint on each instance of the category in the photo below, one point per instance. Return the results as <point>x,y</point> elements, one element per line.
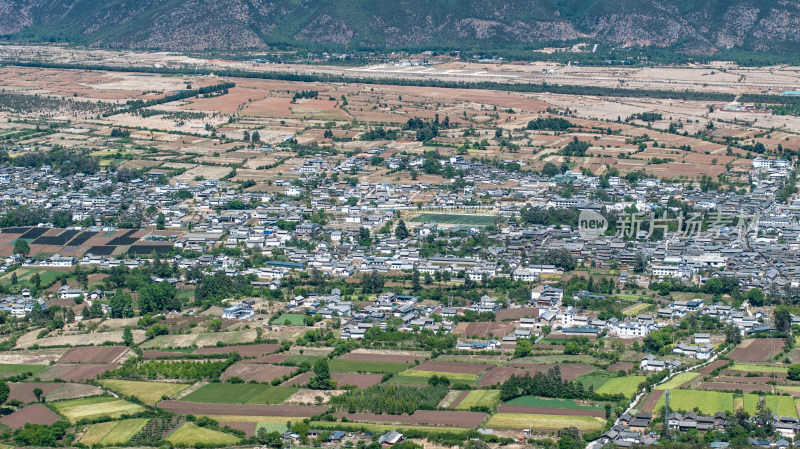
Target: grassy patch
<point>407,380</point>
<point>96,432</point>
<point>753,367</point>
<point>148,392</point>
<point>556,358</point>
<point>780,405</point>
<point>635,309</point>
<point>534,401</point>
<point>354,366</point>
<point>294,319</point>
<point>596,379</point>
<point>456,219</point>
<point>279,427</point>
<point>544,422</point>
<point>708,402</point>
<point>480,398</point>
<point>123,431</point>
<point>19,368</point>
<point>381,428</point>
<point>189,434</point>
<point>220,393</point>
<point>274,395</point>
<point>458,377</point>
<point>78,409</point>
<point>625,385</point>
<point>298,359</point>
<point>677,381</point>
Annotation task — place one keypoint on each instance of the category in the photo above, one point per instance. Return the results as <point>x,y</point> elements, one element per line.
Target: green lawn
<point>480,398</point>
<point>779,405</point>
<point>534,401</point>
<point>295,319</point>
<point>628,385</point>
<point>19,368</point>
<point>456,219</point>
<point>708,402</point>
<point>355,366</point>
<point>148,392</point>
<point>544,422</point>
<point>189,434</point>
<point>677,381</point>
<point>753,367</point>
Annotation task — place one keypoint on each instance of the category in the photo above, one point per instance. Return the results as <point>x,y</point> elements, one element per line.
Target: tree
<point>401,232</point>
<point>523,348</point>
<point>215,325</point>
<point>732,334</point>
<point>269,439</point>
<point>255,137</point>
<point>322,376</point>
<point>38,393</point>
<point>794,372</point>
<point>640,263</point>
<point>783,319</point>
<point>21,247</point>
<point>121,305</point>
<point>161,221</point>
<point>4,392</point>
<point>127,336</point>
<point>755,297</point>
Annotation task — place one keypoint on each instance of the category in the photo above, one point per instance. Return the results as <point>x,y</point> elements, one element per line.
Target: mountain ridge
<point>692,26</point>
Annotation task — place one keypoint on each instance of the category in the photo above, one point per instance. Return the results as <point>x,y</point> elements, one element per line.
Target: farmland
<point>224,393</point>
<point>677,381</point>
<point>78,409</point>
<point>708,402</point>
<point>149,392</point>
<point>353,366</point>
<point>480,398</point>
<point>290,319</point>
<point>544,422</point>
<point>456,219</point>
<point>112,432</point>
<point>189,434</point>
<point>624,385</point>
<point>533,401</point>
<point>780,405</point>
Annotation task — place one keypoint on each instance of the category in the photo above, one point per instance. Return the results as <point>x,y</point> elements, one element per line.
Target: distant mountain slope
<point>701,26</point>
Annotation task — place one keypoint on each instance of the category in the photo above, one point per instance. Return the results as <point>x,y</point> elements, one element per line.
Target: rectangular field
<point>78,409</point>
<point>480,398</point>
<point>353,366</point>
<point>290,319</point>
<point>222,393</point>
<point>625,385</point>
<point>454,377</point>
<point>708,402</point>
<point>534,401</point>
<point>779,405</point>
<point>456,219</point>
<point>148,392</point>
<point>545,422</point>
<point>189,434</point>
<point>677,381</point>
<point>752,367</point>
<point>113,432</point>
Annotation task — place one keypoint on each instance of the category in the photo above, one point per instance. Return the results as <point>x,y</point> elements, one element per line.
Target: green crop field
<point>625,385</point>
<point>557,358</point>
<point>677,381</point>
<point>534,401</point>
<point>407,380</point>
<point>544,422</point>
<point>382,428</point>
<point>148,392</point>
<point>294,319</point>
<point>274,395</point>
<point>223,393</point>
<point>456,219</point>
<point>754,367</point>
<point>480,398</point>
<point>596,379</point>
<point>779,405</point>
<point>279,427</point>
<point>297,359</point>
<point>708,402</point>
<point>96,432</point>
<point>635,309</point>
<point>19,368</point>
<point>189,434</point>
<point>78,409</point>
<point>457,377</point>
<point>123,431</point>
<point>220,393</point>
<point>355,366</point>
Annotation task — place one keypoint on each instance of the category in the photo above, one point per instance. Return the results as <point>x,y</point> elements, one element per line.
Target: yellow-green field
<point>189,434</point>
<point>148,392</point>
<point>92,407</point>
<point>677,381</point>
<point>780,405</point>
<point>478,398</point>
<point>627,386</point>
<point>451,376</point>
<point>635,309</point>
<point>753,367</point>
<point>708,402</point>
<point>96,432</point>
<point>544,422</point>
<point>112,432</point>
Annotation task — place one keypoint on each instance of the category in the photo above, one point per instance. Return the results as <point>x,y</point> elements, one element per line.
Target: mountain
<point>694,26</point>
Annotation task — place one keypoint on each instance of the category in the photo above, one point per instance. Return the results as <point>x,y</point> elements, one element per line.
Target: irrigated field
<point>148,392</point>
<point>224,393</point>
<point>708,402</point>
<point>545,422</point>
<point>190,435</point>
<point>92,407</point>
<point>624,385</point>
<point>480,398</point>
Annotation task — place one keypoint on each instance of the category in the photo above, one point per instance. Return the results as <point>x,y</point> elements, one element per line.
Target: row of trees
<point>183,369</point>
<point>391,399</point>
<point>546,384</point>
